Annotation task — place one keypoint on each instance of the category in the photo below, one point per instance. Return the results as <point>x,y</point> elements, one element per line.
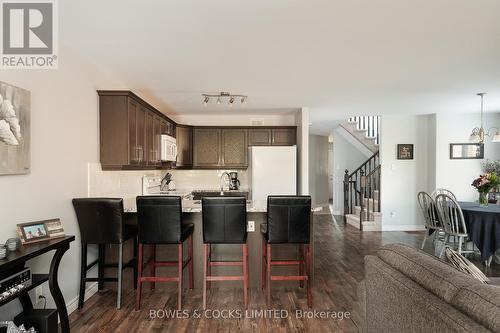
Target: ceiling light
<point>478,133</point>
<point>224,97</point>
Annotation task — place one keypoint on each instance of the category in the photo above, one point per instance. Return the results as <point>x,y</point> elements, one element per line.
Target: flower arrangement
<point>485,183</point>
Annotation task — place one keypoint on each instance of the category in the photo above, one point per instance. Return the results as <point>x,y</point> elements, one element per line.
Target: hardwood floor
<point>339,267</point>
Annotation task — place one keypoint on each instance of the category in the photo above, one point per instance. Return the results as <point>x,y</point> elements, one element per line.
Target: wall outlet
<point>251,226</point>
<point>38,293</point>
<point>393,214</point>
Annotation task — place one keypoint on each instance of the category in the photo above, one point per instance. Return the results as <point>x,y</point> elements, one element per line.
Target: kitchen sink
<point>197,195</point>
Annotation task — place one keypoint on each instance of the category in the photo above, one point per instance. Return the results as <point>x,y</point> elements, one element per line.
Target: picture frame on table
<point>38,231</point>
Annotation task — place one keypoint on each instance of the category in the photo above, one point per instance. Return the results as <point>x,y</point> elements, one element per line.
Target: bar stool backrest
<point>224,220</point>
<point>289,219</point>
<point>159,219</point>
<point>100,220</point>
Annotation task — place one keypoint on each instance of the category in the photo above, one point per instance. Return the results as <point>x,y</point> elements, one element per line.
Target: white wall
<point>401,180</point>
<point>235,119</point>
<point>64,132</point>
<point>318,169</point>
<point>457,175</point>
<point>345,156</point>
<point>302,122</point>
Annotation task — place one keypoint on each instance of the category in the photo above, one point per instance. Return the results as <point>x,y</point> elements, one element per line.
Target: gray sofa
<point>407,290</point>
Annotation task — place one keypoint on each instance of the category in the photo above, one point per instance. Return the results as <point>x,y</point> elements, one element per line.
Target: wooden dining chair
<point>431,218</point>
<point>452,218</point>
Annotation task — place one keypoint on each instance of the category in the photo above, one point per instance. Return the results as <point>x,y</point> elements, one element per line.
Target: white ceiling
<point>339,58</point>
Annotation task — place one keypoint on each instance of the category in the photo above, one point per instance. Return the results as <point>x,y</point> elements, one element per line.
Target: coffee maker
<point>234,183</point>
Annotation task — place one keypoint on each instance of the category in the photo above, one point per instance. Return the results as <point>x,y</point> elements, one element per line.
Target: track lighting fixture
<point>224,97</point>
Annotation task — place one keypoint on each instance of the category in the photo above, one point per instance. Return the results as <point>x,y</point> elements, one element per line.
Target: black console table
<point>16,261</point>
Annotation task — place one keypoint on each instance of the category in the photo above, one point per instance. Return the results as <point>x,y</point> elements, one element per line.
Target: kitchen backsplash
<point>129,183</point>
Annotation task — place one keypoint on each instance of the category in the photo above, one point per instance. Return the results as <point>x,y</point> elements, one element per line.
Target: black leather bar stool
<point>224,222</point>
<point>159,219</point>
<point>288,221</point>
<point>102,222</point>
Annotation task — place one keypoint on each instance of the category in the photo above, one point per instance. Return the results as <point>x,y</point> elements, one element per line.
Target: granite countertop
<point>194,206</point>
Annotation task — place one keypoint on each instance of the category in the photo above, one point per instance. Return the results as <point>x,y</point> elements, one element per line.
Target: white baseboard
<point>89,292</point>
<point>403,227</point>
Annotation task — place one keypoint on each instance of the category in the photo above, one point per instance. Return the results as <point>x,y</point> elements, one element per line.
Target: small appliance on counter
<point>234,183</point>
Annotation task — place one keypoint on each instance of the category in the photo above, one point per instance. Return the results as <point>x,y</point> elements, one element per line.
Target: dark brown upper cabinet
<point>234,147</point>
<point>260,136</point>
<point>130,131</point>
<point>284,136</point>
<point>184,135</point>
<point>220,148</point>
<point>206,147</point>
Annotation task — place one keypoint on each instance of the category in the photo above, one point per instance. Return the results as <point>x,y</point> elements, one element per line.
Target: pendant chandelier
<point>478,133</point>
<point>225,97</point>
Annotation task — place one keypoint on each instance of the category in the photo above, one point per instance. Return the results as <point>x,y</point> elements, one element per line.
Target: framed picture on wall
<point>466,151</point>
<point>405,151</point>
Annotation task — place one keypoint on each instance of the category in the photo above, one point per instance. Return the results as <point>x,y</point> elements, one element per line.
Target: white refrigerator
<point>272,171</point>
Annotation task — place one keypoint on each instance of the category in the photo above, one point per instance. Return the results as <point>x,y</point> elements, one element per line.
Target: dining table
<point>483,227</point>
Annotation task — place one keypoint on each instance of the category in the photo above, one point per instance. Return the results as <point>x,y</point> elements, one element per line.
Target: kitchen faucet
<point>225,173</point>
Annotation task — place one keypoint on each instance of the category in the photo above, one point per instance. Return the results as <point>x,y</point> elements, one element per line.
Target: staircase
<point>362,186</point>
<point>365,129</point>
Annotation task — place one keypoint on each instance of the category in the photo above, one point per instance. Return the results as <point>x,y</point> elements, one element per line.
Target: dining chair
<point>439,191</point>
<point>431,218</point>
<point>452,218</point>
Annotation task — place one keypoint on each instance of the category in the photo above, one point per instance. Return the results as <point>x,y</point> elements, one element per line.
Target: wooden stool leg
<point>180,264</point>
<point>263,262</point>
<point>301,265</point>
<point>83,275</point>
<point>205,262</point>
<point>139,282</point>
<point>190,265</point>
<point>309,275</point>
<point>153,265</point>
<point>268,257</point>
<point>245,274</point>
<point>135,263</point>
<point>209,268</point>
<point>100,264</point>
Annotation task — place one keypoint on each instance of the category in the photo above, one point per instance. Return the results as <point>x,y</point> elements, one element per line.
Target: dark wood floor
<point>339,253</point>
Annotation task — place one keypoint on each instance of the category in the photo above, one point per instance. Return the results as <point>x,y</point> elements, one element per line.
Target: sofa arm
<point>362,304</point>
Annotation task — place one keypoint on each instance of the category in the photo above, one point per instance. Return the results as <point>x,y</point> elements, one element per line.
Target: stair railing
<point>369,123</point>
<point>360,186</point>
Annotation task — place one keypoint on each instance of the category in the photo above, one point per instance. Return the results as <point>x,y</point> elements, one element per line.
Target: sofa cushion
<point>481,302</point>
<point>432,274</point>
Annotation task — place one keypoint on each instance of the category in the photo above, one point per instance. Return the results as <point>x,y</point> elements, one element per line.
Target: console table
<point>16,261</point>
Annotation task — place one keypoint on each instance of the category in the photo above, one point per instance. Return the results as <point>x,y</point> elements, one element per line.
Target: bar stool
<point>288,222</point>
<point>224,222</point>
<point>159,219</point>
<point>101,222</point>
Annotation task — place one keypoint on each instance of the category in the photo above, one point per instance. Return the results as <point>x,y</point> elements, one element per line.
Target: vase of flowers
<point>484,184</point>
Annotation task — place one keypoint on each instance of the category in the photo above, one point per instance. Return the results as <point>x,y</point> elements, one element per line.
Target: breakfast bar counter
<point>256,213</point>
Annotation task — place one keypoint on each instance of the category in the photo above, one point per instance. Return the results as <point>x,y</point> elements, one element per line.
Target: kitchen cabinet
<point>284,136</point>
<point>234,150</point>
<point>184,135</point>
<point>130,131</point>
<point>206,147</point>
<point>260,136</point>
